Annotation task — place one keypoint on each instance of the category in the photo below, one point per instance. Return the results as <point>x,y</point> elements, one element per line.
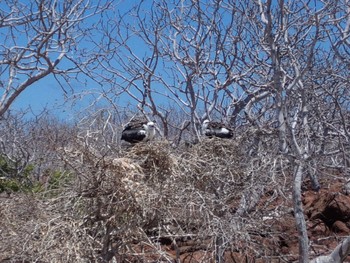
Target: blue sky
<point>42,94</point>
<point>47,93</point>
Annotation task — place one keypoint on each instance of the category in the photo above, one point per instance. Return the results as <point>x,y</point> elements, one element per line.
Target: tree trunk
<point>338,255</point>
<point>299,214</point>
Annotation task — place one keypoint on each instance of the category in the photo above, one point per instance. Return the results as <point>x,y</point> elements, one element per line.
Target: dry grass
<point>145,196</point>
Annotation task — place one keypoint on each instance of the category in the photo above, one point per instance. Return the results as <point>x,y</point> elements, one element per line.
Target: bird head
<point>205,123</point>
<point>151,124</point>
<point>151,130</point>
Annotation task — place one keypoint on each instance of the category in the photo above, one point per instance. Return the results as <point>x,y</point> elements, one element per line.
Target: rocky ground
<point>328,221</point>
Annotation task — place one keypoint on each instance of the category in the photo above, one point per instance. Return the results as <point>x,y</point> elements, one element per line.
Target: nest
<point>215,157</point>
<point>216,147</point>
<point>155,158</point>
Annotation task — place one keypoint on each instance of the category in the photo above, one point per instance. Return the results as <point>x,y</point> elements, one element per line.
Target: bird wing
<point>133,135</point>
<point>217,125</point>
<point>132,125</point>
<point>214,125</point>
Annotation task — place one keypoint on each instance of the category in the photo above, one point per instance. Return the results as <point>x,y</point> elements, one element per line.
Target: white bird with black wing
<point>217,129</point>
<point>139,131</point>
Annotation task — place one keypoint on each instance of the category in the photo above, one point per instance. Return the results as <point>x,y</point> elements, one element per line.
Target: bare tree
<point>193,59</point>
<point>263,63</point>
<point>46,38</point>
<point>277,70</point>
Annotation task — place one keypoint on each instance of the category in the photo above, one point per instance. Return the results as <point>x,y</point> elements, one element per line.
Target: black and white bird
<point>217,129</point>
<point>139,131</point>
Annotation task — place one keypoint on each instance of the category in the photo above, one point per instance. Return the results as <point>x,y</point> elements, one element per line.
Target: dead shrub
<point>148,195</point>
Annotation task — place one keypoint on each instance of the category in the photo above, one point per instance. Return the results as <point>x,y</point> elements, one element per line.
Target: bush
<point>12,177</point>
